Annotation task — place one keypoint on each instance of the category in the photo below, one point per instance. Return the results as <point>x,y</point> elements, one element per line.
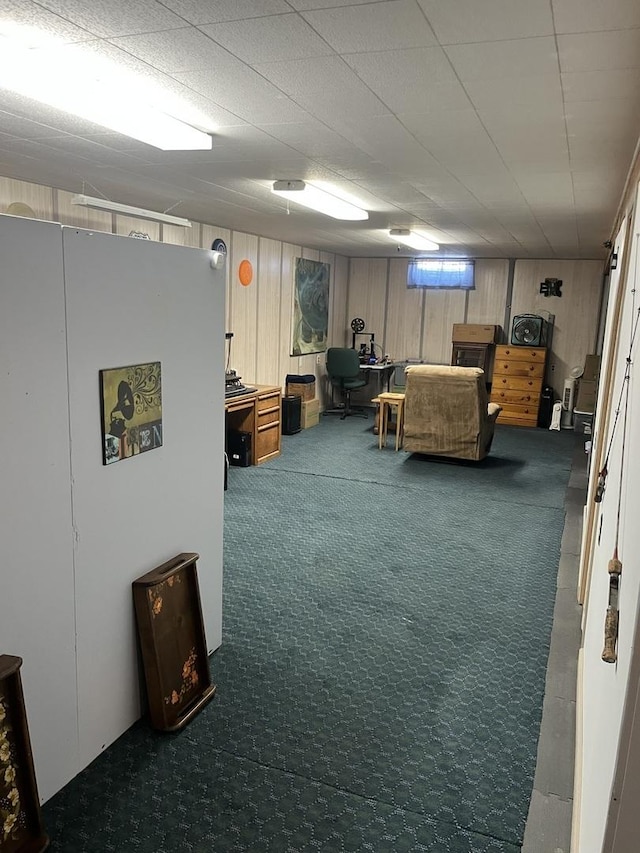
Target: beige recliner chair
<point>447,412</point>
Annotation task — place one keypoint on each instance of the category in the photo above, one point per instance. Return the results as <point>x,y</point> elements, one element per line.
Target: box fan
<point>529,330</point>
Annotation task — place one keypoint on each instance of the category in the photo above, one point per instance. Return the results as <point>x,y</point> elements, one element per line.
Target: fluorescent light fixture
<point>313,197</point>
<point>77,81</point>
<point>413,240</point>
<point>127,210</point>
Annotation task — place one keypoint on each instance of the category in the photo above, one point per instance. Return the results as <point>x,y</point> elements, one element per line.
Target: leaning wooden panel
<point>172,642</point>
<point>21,829</point>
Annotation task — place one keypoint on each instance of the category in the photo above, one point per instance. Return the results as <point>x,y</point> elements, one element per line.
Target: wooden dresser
<point>518,374</point>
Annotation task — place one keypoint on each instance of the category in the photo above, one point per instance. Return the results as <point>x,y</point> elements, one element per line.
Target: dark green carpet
<point>380,682</point>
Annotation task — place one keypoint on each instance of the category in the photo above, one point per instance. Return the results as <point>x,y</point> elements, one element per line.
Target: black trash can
<point>291,414</point>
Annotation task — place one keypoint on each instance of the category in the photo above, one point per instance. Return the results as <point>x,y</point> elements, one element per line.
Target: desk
<point>382,372</point>
<point>258,413</point>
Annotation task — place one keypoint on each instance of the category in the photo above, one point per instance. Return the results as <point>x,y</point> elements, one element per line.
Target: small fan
<point>527,330</point>
<point>357,324</point>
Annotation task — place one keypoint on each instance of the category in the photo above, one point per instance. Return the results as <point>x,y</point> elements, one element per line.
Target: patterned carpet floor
<point>380,682</point>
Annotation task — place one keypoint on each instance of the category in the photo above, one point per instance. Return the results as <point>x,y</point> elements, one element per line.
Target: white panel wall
<point>605,686</point>
<point>75,533</point>
<point>132,301</point>
<point>37,620</point>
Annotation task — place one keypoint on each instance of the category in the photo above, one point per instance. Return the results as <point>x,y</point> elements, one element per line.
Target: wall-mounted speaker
<point>529,330</point>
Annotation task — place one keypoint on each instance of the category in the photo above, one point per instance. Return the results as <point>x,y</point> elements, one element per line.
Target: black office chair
<point>343,369</point>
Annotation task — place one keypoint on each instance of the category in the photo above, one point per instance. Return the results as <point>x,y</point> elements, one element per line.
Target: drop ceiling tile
<point>302,5</point>
<point>526,57</point>
<point>602,85</point>
<point>601,51</point>
<point>214,11</point>
<point>326,88</point>
<point>583,16</point>
<point>111,18</point>
<point>29,14</point>
<point>311,138</point>
<point>544,189</point>
<point>592,153</point>
<point>388,142</point>
<point>415,80</point>
<point>186,49</point>
<point>542,90</point>
<point>271,39</point>
<point>18,125</point>
<point>523,138</point>
<point>241,91</point>
<point>457,139</point>
<point>494,188</point>
<point>377,26</point>
<point>491,20</point>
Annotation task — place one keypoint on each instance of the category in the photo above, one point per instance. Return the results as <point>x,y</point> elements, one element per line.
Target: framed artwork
<point>310,307</point>
<point>131,410</point>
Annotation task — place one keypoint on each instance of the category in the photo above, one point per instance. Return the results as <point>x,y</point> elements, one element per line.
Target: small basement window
<point>441,275</point>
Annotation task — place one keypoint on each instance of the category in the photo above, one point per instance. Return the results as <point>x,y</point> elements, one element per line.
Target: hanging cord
<point>614,567</point>
<point>602,475</point>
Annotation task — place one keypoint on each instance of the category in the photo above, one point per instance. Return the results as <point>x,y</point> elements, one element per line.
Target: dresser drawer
<point>512,367</point>
<point>520,414</point>
<point>507,397</point>
<point>268,401</point>
<point>519,383</point>
<point>534,354</point>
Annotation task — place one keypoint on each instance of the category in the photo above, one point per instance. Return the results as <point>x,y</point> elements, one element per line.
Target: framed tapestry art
<point>310,307</point>
<point>131,410</point>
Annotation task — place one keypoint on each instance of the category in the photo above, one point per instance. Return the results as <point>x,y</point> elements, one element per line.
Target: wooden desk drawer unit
<point>518,374</point>
<point>268,408</point>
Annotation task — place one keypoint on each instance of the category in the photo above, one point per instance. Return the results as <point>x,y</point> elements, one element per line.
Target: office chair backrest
<point>342,363</point>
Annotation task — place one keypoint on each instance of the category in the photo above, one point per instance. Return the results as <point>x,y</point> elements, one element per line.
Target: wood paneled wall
<point>576,312</point>
<point>259,314</point>
<point>408,324</point>
<point>415,324</point>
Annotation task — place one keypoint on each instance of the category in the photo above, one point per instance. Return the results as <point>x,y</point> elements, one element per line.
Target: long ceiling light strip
<point>128,210</point>
<point>77,81</point>
<point>314,198</point>
<point>413,240</point>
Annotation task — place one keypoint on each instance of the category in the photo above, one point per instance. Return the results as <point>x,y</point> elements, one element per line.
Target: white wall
<point>37,610</point>
<point>96,529</point>
<point>605,686</point>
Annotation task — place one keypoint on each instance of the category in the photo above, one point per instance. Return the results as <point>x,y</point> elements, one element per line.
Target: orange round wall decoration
<point>245,273</point>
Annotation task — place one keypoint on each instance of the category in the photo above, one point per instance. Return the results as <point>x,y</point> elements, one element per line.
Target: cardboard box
<point>586,398</point>
<point>591,368</point>
<point>468,332</point>
<point>310,413</point>
<point>304,390</point>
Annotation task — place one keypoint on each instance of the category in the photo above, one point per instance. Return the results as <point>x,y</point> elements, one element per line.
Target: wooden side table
<point>387,401</point>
